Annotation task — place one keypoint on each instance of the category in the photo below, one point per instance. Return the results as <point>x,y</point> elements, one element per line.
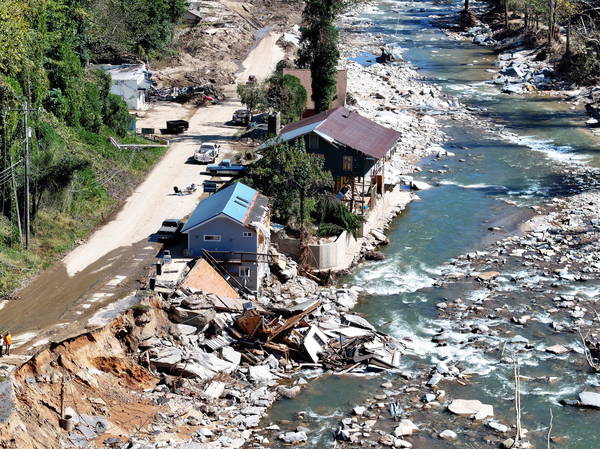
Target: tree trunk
<point>568,47</point>
<point>302,195</point>
<point>550,21</point>
<point>506,14</point>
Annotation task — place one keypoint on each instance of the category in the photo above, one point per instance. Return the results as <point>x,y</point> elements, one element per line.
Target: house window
<point>247,234</point>
<point>347,163</point>
<point>212,238</point>
<point>244,272</point>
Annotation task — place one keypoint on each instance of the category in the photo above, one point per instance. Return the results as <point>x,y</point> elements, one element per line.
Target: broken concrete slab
<point>260,374</point>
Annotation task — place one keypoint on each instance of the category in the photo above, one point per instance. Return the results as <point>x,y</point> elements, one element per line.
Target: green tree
<point>253,95</point>
<point>292,178</point>
<point>286,94</point>
<point>334,217</point>
<point>319,48</point>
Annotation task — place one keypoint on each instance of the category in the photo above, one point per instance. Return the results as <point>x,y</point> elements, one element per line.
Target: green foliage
<point>334,217</point>
<point>319,48</point>
<point>13,35</point>
<point>292,179</point>
<point>286,94</point>
<point>116,114</point>
<point>132,28</point>
<point>253,95</point>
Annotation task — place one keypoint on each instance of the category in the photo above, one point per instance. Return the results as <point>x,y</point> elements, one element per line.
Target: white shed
<point>130,82</point>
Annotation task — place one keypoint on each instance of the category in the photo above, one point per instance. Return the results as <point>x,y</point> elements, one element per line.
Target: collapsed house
<point>312,333</point>
<point>230,229</point>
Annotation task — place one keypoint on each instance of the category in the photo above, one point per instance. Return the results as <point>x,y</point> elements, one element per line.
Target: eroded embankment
<point>94,374</point>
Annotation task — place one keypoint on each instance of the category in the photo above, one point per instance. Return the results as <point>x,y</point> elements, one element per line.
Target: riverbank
<point>524,65</point>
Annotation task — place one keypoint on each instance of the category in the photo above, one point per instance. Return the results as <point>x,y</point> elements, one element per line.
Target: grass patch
<point>67,214</point>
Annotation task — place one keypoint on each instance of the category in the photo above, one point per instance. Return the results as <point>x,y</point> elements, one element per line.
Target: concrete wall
<point>129,91</point>
<point>339,255</point>
<point>324,256</point>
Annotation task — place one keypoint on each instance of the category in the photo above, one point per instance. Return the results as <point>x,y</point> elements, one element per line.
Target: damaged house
<point>231,230</point>
<point>354,150</point>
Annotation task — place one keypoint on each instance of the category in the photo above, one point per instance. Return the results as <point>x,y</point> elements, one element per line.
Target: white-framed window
<point>247,234</point>
<point>212,238</point>
<point>244,272</point>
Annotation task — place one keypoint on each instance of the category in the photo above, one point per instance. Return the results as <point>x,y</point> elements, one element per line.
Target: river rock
<point>419,185</point>
<point>486,411</point>
<point>405,427</point>
<point>487,275</point>
<point>260,374</point>
<point>498,427</point>
<point>293,437</point>
<point>465,406</point>
<point>289,393</point>
<point>557,349</point>
<point>448,435</point>
<point>589,399</point>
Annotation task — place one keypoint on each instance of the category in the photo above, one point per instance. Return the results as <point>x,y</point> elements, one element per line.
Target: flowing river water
<point>519,165</point>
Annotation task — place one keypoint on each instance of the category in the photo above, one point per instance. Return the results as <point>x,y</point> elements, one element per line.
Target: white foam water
<point>387,278</point>
<point>561,153</point>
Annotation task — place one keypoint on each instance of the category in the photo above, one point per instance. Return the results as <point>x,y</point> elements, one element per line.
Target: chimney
<point>274,124</point>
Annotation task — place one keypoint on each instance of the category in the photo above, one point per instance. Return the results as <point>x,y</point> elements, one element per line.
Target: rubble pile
<point>216,334</point>
<point>199,94</point>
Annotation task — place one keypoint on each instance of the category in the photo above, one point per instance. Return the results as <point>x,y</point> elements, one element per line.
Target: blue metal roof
<point>233,201</point>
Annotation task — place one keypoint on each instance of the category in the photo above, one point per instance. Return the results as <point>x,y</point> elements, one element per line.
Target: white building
<point>130,82</point>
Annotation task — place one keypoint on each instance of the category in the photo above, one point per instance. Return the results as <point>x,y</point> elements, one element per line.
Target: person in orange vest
<point>7,342</point>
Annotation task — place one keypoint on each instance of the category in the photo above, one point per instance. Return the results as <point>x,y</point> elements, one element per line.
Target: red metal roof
<point>350,129</point>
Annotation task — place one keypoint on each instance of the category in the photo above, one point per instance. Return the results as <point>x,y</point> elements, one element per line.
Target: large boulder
<point>589,399</point>
<point>405,427</point>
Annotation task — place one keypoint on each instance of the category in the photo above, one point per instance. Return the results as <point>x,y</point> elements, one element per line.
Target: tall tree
<point>319,48</point>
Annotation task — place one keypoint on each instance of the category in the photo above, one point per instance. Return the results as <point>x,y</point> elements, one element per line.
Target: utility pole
<point>26,157</point>
<point>27,218</point>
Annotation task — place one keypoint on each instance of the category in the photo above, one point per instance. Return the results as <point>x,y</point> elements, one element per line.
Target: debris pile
<point>219,333</point>
<point>185,94</point>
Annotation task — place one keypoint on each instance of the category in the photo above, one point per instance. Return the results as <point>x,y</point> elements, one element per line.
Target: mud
<point>55,306</point>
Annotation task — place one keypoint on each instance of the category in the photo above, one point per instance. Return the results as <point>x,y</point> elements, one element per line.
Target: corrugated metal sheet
<point>219,342</point>
<point>347,128</point>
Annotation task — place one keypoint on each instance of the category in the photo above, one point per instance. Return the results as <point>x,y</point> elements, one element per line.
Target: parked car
<point>177,126</point>
<point>169,230</point>
<point>241,117</point>
<point>225,167</point>
<point>207,153</point>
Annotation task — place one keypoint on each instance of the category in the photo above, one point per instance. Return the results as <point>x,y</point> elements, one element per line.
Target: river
<point>520,165</point>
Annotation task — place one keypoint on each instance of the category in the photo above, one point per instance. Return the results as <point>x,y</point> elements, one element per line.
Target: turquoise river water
<point>520,164</point>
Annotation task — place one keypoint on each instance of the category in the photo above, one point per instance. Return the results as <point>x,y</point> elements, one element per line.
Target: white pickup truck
<point>207,153</point>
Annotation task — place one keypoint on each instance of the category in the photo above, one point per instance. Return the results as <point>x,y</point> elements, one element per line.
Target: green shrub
<point>116,115</point>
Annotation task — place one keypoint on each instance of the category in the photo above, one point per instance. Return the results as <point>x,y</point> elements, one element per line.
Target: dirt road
<point>105,267</point>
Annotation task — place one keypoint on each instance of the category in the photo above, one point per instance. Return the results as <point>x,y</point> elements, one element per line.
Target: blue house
<point>232,226</point>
